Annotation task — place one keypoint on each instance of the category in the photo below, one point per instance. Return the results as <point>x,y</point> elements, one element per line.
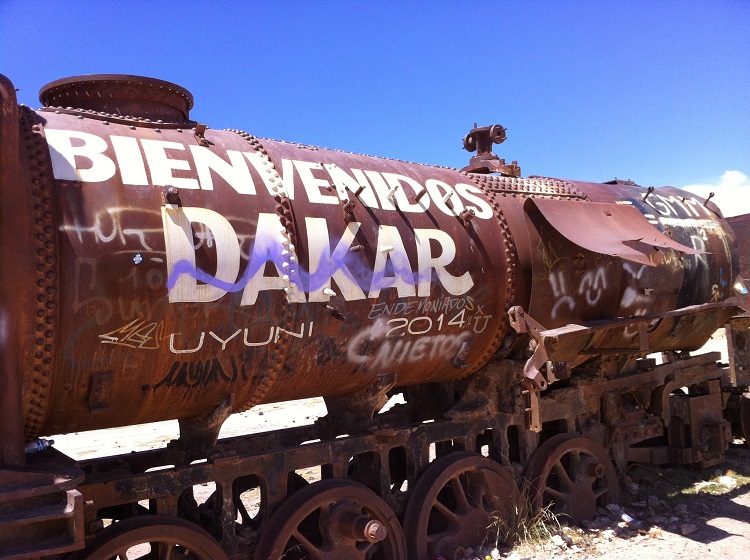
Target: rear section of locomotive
<point>154,269</point>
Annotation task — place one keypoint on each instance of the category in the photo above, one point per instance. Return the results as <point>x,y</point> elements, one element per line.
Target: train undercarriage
<point>417,481</point>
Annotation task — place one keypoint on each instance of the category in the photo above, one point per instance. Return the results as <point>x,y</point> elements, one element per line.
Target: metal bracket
<point>533,415</point>
<point>200,134</point>
<point>524,324</point>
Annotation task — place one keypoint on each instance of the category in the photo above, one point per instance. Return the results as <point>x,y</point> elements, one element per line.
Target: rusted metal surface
<point>41,509</point>
<point>454,502</point>
<point>616,230</point>
<point>684,329</point>
<point>405,290</point>
<point>333,518</point>
<point>268,265</point>
<point>118,94</point>
<point>181,272</point>
<point>574,476</point>
<point>14,215</point>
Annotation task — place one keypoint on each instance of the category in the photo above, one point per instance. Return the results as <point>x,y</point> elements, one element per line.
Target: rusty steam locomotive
<point>154,268</point>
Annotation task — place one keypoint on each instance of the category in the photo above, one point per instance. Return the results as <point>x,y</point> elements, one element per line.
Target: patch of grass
<point>526,525</point>
<point>675,483</point>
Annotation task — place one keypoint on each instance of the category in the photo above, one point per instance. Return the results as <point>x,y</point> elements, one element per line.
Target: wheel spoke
<point>563,475</point>
<point>480,489</point>
<point>313,550</point>
<point>163,550</point>
<point>559,497</point>
<point>446,512</point>
<point>575,465</point>
<point>462,502</point>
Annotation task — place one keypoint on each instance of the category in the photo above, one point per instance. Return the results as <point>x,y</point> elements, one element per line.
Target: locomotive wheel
<point>332,520</point>
<point>573,475</point>
<point>153,536</point>
<point>455,501</point>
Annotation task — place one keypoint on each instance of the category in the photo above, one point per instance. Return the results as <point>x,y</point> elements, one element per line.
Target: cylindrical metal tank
<point>176,267</point>
<point>186,265</point>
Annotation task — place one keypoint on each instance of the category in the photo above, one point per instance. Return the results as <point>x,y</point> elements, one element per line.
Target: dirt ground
<point>663,514</point>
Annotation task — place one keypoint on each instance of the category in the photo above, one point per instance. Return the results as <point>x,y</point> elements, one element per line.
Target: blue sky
<point>655,91</point>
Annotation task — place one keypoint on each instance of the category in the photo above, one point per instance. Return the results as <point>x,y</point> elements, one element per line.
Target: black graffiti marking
<point>187,374</point>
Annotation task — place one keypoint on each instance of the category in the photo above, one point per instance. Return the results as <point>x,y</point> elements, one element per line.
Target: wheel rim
<point>572,476</point>
<point>332,520</point>
<point>454,503</point>
<point>153,537</point>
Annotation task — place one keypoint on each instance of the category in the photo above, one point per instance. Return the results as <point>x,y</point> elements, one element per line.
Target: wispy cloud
<point>731,190</point>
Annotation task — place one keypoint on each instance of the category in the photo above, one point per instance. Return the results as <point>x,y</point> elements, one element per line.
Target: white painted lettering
<point>325,265</point>
<point>438,191</point>
<point>162,164</point>
<point>129,160</point>
<point>178,238</point>
<point>235,171</point>
<point>381,188</point>
<point>391,248</point>
<point>482,209</point>
<point>455,285</point>
<point>312,184</point>
<point>398,183</point>
<point>67,148</point>
<point>343,181</point>
<point>267,247</point>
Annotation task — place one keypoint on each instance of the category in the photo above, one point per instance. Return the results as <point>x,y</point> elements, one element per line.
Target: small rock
<point>654,502</point>
<point>633,488</point>
<point>681,510</point>
<point>674,519</point>
<point>608,534</point>
<point>558,541</point>
<point>655,533</point>
<point>260,413</point>
<point>727,481</point>
<point>659,519</point>
<point>639,504</point>
<point>615,509</point>
<point>687,529</point>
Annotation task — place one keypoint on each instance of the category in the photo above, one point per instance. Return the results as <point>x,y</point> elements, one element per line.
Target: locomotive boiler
<point>155,268</point>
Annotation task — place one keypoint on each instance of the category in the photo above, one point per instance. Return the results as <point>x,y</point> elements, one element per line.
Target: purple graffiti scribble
<point>310,282</point>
